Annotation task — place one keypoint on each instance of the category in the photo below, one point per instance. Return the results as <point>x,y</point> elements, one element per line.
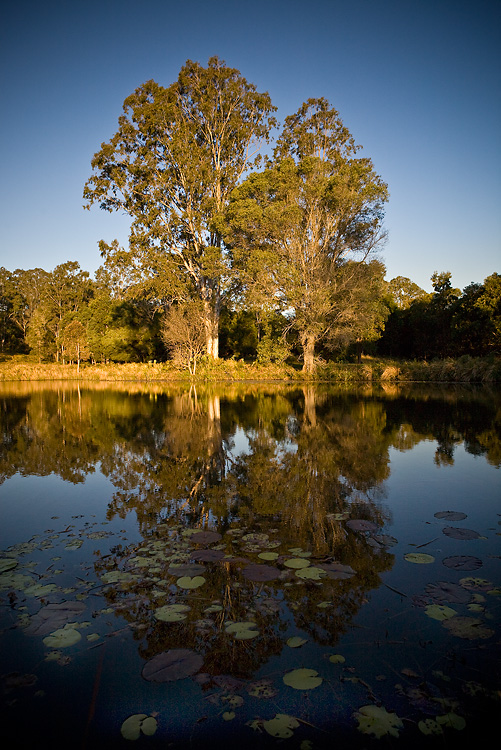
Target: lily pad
<point>456,533</point>
<point>171,612</point>
<point>260,573</point>
<point>175,664</point>
<point>462,562</point>
<point>242,631</point>
<point>302,679</point>
<point>205,537</point>
<point>296,562</point>
<point>337,571</point>
<point>188,582</point>
<point>136,724</point>
<point>420,558</point>
<point>378,721</point>
<point>208,555</point>
<point>296,641</point>
<point>361,525</point>
<point>470,628</point>
<point>62,638</point>
<point>7,563</point>
<point>443,591</point>
<point>281,726</point>
<point>268,555</point>
<point>439,611</point>
<point>313,573</point>
<point>54,616</point>
<point>451,515</point>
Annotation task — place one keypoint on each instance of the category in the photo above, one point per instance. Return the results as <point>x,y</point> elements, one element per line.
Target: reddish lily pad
<point>357,524</point>
<point>444,591</point>
<point>457,533</point>
<point>337,571</point>
<point>208,555</point>
<point>451,515</point>
<point>53,617</point>
<point>205,537</point>
<point>260,573</point>
<point>462,562</point>
<point>175,664</point>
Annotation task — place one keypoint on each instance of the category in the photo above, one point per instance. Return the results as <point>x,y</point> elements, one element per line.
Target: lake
<point>256,564</point>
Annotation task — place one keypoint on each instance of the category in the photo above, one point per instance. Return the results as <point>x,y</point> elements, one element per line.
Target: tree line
<point>230,252</point>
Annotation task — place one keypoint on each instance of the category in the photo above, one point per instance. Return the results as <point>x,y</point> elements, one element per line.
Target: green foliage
<point>296,224</point>
<point>178,153</point>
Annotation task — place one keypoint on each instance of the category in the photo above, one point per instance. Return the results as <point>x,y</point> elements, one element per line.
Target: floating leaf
<point>171,612</point>
<point>429,726</point>
<point>312,573</point>
<point>242,631</point>
<point>457,533</point>
<point>208,555</point>
<point>302,679</point>
<point>439,611</point>
<point>62,638</point>
<point>268,555</point>
<point>187,582</point>
<point>175,664</point>
<point>419,557</point>
<point>470,628</point>
<point>480,584</point>
<point>361,525</point>
<point>296,641</point>
<point>228,715</point>
<point>54,616</point>
<point>7,563</point>
<point>261,689</point>
<point>296,563</point>
<point>452,720</point>
<point>260,573</point>
<point>281,726</point>
<point>451,515</point>
<point>337,659</point>
<point>377,721</point>
<point>205,537</point>
<point>443,591</point>
<point>462,562</point>
<point>133,726</point>
<point>337,571</point>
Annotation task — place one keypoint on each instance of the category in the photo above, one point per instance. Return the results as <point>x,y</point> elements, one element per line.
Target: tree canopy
<point>172,164</point>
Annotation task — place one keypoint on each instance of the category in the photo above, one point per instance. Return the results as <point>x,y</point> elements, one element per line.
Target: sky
<point>417,83</point>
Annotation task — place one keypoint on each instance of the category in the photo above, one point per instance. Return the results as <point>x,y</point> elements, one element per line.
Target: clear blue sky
<point>417,82</point>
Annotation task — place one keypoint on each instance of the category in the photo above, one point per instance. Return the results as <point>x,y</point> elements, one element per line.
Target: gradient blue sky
<point>417,82</point>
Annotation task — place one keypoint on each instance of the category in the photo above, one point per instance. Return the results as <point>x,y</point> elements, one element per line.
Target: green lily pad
<point>377,721</point>
<point>296,641</point>
<point>337,659</point>
<point>133,726</point>
<point>296,562</point>
<point>281,726</point>
<point>7,563</point>
<point>242,631</point>
<point>439,611</point>
<point>188,582</point>
<point>420,558</point>
<point>430,727</point>
<point>268,555</point>
<point>311,573</point>
<point>62,638</point>
<point>303,679</point>
<point>470,628</point>
<point>451,720</point>
<point>171,612</point>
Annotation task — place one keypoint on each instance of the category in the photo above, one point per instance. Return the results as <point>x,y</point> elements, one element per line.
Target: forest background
<point>240,247</point>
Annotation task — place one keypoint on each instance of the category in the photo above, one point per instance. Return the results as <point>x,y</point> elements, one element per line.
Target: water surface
<point>257,565</point>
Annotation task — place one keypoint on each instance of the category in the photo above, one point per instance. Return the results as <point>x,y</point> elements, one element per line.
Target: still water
<point>256,565</point>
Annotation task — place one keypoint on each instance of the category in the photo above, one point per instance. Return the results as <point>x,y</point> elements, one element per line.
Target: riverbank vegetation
<point>463,370</point>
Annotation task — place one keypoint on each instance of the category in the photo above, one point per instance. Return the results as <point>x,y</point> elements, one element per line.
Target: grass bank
<point>462,370</point>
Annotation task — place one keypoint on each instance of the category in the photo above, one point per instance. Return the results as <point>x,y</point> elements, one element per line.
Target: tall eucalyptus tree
<point>171,166</point>
<point>304,228</point>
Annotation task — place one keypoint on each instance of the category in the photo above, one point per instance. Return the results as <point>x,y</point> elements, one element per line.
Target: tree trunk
<point>308,353</point>
<point>212,329</point>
